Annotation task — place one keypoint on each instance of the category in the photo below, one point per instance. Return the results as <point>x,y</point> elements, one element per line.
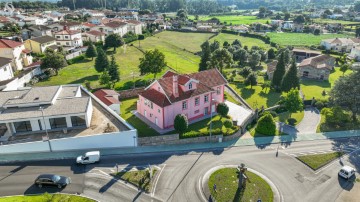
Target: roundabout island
<point>238,183</point>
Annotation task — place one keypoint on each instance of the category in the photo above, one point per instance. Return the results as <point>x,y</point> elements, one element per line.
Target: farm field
<point>323,21</point>
<point>301,39</point>
<point>245,41</point>
<point>236,19</point>
<point>313,88</point>
<point>175,55</point>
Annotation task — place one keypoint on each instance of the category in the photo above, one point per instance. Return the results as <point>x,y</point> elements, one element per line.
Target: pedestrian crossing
<point>347,149</point>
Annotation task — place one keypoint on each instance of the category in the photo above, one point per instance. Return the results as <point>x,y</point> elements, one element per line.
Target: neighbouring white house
<point>36,31</point>
<point>69,25</point>
<point>17,52</point>
<point>110,98</point>
<point>288,25</point>
<point>93,13</point>
<point>112,28</point>
<point>68,38</point>
<point>6,71</point>
<point>50,108</point>
<point>340,44</point>
<point>33,20</point>
<point>127,15</point>
<point>96,20</point>
<point>336,16</point>
<point>355,53</point>
<point>134,26</point>
<point>94,36</point>
<point>239,28</point>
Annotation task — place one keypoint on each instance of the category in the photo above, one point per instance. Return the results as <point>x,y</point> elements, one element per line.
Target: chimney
<point>65,27</point>
<point>175,86</point>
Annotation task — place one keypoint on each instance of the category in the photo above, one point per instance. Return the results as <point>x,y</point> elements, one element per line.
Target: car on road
<point>52,180</point>
<point>88,157</point>
<point>347,172</point>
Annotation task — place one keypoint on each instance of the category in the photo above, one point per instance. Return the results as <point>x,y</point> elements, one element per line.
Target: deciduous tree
<point>251,79</point>
<point>293,102</point>
<point>153,62</point>
<point>114,41</point>
<point>220,59</point>
<point>53,60</point>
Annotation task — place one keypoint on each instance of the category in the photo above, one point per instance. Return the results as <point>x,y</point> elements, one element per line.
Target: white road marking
<point>157,179</point>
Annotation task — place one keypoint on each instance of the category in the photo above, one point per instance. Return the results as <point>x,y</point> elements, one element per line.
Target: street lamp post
<point>211,112</point>
<point>47,134</point>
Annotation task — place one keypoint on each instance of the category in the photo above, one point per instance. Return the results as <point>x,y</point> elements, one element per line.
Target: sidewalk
<point>260,142</point>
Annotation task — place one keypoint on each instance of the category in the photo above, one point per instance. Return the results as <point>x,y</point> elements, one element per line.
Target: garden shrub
<point>222,109</point>
<point>335,116</point>
<point>266,125</point>
<point>76,59</point>
<point>181,123</point>
<point>319,105</point>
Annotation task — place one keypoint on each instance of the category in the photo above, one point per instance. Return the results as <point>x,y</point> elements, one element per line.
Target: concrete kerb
<point>80,195</point>
<point>205,192</point>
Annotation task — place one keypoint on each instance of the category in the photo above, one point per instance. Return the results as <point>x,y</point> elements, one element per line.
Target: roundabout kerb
<point>205,192</point>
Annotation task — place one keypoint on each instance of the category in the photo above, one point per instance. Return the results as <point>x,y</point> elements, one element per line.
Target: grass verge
<point>227,187</point>
<point>47,198</point>
<point>140,178</point>
<point>317,161</point>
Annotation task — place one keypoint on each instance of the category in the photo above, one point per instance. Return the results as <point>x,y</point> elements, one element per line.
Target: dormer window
<point>190,86</point>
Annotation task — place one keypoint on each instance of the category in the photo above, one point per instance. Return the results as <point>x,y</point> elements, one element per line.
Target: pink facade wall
<point>165,117</point>
<point>152,114</point>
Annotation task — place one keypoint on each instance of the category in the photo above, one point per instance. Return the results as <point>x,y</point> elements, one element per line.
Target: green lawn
<point>316,161</point>
<point>294,120</point>
<point>301,39</point>
<point>256,97</point>
<point>226,181</point>
<point>140,178</point>
<point>236,19</point>
<point>143,130</point>
<point>314,88</point>
<point>229,98</point>
<point>175,55</point>
<point>5,33</point>
<point>246,41</point>
<point>202,128</point>
<point>46,198</point>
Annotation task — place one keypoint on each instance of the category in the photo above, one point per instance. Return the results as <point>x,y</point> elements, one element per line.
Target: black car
<point>52,180</point>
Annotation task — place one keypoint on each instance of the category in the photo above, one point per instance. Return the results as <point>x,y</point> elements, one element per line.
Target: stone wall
<point>131,93</point>
<point>174,139</point>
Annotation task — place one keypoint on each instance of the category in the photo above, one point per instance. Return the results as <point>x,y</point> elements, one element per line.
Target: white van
<point>347,172</point>
<point>89,157</point>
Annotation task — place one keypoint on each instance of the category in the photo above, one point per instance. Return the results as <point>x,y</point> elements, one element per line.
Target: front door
<point>212,108</point>
<point>145,113</point>
<point>206,110</point>
<point>156,120</point>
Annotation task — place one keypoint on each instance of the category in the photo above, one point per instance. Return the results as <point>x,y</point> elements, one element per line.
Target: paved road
<point>179,179</point>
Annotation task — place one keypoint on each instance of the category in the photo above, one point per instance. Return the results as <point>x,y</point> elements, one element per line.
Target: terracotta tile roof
<point>318,62</point>
<point>88,24</point>
<point>95,33</point>
<point>106,96</point>
<point>5,43</point>
<point>4,19</point>
<point>210,78</point>
<point>26,51</point>
<point>67,32</point>
<point>69,24</point>
<point>156,97</point>
<point>115,24</point>
<point>206,80</point>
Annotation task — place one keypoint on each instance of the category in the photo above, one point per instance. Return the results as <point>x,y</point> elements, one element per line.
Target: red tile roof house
<point>190,94</point>
<point>110,98</point>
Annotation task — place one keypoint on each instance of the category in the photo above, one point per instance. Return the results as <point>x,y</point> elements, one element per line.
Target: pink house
<point>191,94</point>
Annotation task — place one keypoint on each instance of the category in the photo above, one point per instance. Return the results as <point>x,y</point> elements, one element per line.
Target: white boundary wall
<point>102,141</point>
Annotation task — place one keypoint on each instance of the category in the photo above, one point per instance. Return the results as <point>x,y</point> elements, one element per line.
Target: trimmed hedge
<point>266,125</point>
<point>217,131</point>
<point>76,59</point>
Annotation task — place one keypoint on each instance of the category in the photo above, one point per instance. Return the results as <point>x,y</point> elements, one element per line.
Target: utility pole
<point>74,4</point>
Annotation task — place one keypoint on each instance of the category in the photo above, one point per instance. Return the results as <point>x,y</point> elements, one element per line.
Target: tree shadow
<point>87,78</point>
<point>246,92</point>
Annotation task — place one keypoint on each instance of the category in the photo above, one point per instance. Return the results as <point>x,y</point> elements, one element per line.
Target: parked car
<point>89,157</point>
<point>347,172</point>
<point>52,180</point>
